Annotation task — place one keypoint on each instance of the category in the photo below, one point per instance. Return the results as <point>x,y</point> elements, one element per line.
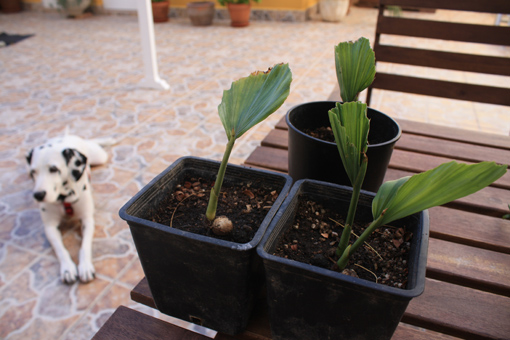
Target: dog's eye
<point>54,169</point>
<point>32,174</point>
<point>77,163</point>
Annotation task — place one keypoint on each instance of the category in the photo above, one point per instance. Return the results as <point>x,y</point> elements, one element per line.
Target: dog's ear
<point>29,156</point>
<point>76,162</point>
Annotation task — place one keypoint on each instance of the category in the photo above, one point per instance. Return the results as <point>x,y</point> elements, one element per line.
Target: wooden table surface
<point>467,291</point>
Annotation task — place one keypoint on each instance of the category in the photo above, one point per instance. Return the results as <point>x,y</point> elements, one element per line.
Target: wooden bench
<point>433,31</point>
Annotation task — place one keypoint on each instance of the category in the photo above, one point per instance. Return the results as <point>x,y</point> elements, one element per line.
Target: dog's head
<point>55,170</point>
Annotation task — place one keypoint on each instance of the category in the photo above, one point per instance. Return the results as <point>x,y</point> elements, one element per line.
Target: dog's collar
<point>68,208</point>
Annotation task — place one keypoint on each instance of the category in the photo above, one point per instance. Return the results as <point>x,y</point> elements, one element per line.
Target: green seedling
<point>355,64</point>
<point>249,101</point>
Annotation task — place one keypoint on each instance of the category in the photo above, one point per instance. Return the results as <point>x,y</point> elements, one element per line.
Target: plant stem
<point>363,237</point>
<point>356,188</point>
<point>215,192</point>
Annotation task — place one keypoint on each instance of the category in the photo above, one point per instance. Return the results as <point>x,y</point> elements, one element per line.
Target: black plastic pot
<point>193,277</point>
<point>312,303</point>
<point>314,158</point>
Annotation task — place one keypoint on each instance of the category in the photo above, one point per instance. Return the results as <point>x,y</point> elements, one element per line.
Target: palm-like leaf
<point>355,67</point>
<point>252,99</point>
<point>350,126</point>
<point>443,184</point>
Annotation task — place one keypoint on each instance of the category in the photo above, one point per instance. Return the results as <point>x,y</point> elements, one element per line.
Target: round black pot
<point>314,158</point>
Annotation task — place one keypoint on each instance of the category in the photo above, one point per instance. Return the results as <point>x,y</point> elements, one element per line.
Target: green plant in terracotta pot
<point>338,302</point>
<point>239,11</point>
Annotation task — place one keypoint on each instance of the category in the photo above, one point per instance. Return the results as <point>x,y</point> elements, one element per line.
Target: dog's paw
<point>86,271</point>
<point>68,273</point>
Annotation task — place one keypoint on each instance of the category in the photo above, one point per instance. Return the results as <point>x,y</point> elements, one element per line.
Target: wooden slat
<point>452,150</point>
<point>443,89</point>
<point>466,228</point>
<point>142,294</point>
<point>460,311</point>
<point>127,323</point>
<point>468,266</point>
<point>489,6</point>
<point>443,60</point>
<point>259,329</point>
<point>454,134</point>
<point>276,138</point>
<point>407,160</point>
<point>269,158</point>
<point>494,35</point>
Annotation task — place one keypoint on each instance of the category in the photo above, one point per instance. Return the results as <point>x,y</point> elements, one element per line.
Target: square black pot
<point>193,277</point>
<point>308,302</point>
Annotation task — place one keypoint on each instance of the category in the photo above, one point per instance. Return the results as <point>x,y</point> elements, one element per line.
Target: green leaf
<point>355,67</point>
<point>438,186</point>
<point>252,99</point>
<point>350,126</point>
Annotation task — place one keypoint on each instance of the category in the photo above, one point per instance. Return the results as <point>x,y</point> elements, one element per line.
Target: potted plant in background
<point>334,10</point>
<point>207,271</point>
<point>74,8</point>
<point>312,150</point>
<point>313,267</point>
<point>160,10</point>
<point>239,11</point>
<point>201,13</point>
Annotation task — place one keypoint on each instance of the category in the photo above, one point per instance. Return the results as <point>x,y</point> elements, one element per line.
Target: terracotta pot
<point>160,11</point>
<point>10,6</point>
<point>201,13</point>
<point>239,14</point>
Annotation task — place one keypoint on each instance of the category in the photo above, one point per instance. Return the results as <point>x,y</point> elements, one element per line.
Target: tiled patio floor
<point>83,75</point>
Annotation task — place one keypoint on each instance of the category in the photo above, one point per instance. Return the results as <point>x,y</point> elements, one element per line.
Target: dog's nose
<point>39,196</point>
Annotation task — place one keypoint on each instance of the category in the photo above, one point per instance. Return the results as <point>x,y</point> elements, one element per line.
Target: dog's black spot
<point>41,147</point>
<point>68,154</point>
<point>61,197</point>
<point>49,145</point>
<point>64,183</point>
<point>77,174</point>
<point>29,156</point>
<point>43,209</point>
<point>85,187</point>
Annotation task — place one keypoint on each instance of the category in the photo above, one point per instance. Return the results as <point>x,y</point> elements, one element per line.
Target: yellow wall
<point>264,4</point>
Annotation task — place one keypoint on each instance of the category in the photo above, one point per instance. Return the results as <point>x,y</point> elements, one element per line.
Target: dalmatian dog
<point>60,169</point>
